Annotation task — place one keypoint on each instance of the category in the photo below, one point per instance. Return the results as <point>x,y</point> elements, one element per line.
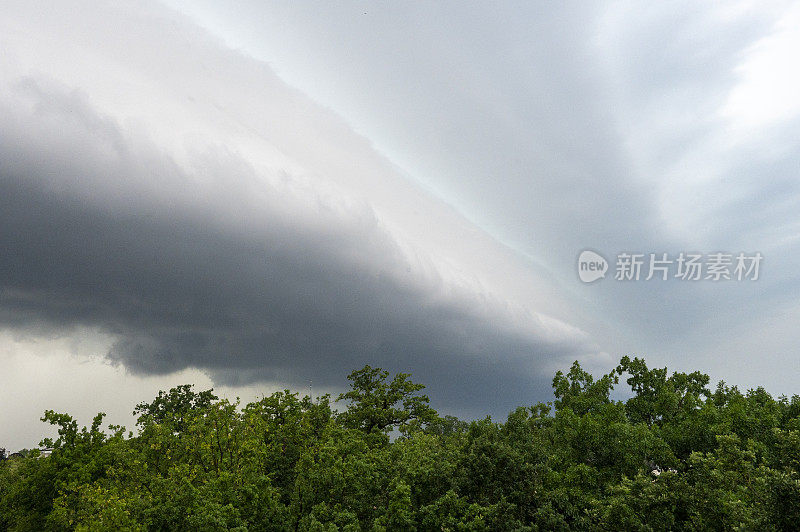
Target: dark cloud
<point>183,275</point>
<point>177,195</point>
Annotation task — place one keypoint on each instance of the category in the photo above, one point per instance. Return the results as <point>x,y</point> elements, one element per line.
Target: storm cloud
<point>277,193</point>
<point>181,198</point>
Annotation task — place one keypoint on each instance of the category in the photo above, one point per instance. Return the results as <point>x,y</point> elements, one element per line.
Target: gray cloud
<point>252,271</point>
<point>181,197</point>
<point>557,127</point>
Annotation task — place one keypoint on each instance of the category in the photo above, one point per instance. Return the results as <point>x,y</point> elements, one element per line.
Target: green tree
<point>378,405</point>
<point>673,456</point>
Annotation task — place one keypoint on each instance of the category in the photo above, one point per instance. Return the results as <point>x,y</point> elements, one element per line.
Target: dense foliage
<point>675,455</point>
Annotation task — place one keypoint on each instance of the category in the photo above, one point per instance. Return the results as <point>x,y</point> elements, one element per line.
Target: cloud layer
<point>177,199</point>
<point>610,125</point>
<point>182,199</point>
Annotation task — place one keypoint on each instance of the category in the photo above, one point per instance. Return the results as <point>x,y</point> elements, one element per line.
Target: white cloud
<point>768,80</point>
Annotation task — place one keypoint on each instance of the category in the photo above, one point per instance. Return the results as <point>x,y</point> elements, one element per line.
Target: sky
<point>260,195</point>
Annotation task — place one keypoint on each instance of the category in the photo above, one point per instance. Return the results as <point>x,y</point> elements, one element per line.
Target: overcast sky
<point>255,195</point>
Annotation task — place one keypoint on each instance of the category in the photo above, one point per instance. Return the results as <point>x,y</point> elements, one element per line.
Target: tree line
<point>674,456</point>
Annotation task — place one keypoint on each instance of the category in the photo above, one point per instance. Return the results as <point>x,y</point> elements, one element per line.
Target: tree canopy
<point>674,455</point>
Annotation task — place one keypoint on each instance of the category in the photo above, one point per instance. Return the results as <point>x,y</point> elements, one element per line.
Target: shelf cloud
<point>179,197</point>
